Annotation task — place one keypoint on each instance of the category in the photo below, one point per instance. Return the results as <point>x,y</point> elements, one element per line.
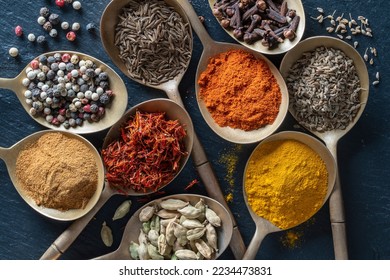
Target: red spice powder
<point>240,91</point>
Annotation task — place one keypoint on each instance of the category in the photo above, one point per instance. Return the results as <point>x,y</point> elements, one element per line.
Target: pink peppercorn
<point>34,64</point>
<point>60,3</point>
<point>65,57</point>
<point>87,108</point>
<point>18,31</point>
<point>62,111</point>
<point>71,36</point>
<point>101,111</point>
<point>55,121</point>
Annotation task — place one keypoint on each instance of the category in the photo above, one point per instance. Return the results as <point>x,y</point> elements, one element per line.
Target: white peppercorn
<point>65,25</point>
<point>41,20</point>
<point>31,37</point>
<point>76,5</point>
<point>31,75</point>
<point>75,26</point>
<point>53,33</point>
<point>14,52</point>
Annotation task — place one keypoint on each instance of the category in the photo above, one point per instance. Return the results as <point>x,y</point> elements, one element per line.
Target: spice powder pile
<point>286,182</point>
<point>240,91</point>
<point>58,171</point>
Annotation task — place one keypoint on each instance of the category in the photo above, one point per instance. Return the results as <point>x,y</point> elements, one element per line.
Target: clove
<point>289,33</point>
<point>283,8</point>
<point>256,20</point>
<point>276,16</point>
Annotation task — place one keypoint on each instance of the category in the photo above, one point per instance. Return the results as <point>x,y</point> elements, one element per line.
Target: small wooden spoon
<point>114,110</point>
<point>212,48</point>
<point>108,23</point>
<point>331,137</point>
<point>263,226</point>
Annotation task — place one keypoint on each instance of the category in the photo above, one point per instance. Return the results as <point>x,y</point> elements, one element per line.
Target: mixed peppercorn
<point>66,89</point>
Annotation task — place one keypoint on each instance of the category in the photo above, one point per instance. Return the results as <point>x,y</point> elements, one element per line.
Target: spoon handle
<point>4,153</point>
<point>337,215</point>
<point>254,245</point>
<point>8,83</point>
<point>196,24</point>
<point>63,242</point>
<point>209,178</point>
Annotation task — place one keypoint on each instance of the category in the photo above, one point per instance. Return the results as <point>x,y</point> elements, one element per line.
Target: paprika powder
<point>240,91</point>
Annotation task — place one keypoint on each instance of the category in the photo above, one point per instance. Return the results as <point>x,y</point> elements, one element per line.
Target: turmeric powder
<point>240,91</point>
<point>285,182</point>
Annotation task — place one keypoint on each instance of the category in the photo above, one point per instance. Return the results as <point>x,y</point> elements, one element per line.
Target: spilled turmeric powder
<point>291,239</point>
<point>285,182</point>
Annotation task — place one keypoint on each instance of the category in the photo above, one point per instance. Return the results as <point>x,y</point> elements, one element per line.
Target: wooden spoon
<point>173,112</point>
<point>263,226</point>
<point>114,110</point>
<point>331,137</point>
<point>108,23</point>
<point>212,48</point>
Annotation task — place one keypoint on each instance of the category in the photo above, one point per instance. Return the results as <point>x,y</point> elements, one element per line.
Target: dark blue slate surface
<point>363,153</point>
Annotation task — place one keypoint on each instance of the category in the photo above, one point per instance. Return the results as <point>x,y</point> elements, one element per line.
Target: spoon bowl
<point>263,226</point>
<point>281,47</point>
<point>108,23</point>
<point>212,48</point>
<point>10,155</point>
<point>173,111</point>
<point>114,110</point>
<point>331,137</point>
<point>131,231</point>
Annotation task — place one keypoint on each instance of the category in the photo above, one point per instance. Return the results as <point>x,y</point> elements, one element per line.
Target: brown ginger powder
<point>58,172</point>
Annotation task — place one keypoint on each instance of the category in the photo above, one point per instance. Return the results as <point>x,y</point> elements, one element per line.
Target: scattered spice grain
<point>58,171</point>
<point>240,91</point>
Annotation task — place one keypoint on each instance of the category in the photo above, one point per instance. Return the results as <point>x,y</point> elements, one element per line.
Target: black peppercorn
<point>54,19</point>
<point>44,11</point>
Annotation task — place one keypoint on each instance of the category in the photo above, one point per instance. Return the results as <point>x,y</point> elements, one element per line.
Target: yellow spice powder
<point>285,182</point>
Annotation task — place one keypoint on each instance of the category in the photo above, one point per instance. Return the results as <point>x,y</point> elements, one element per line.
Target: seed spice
<point>153,41</point>
<point>347,27</point>
<point>324,89</point>
<point>177,229</point>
